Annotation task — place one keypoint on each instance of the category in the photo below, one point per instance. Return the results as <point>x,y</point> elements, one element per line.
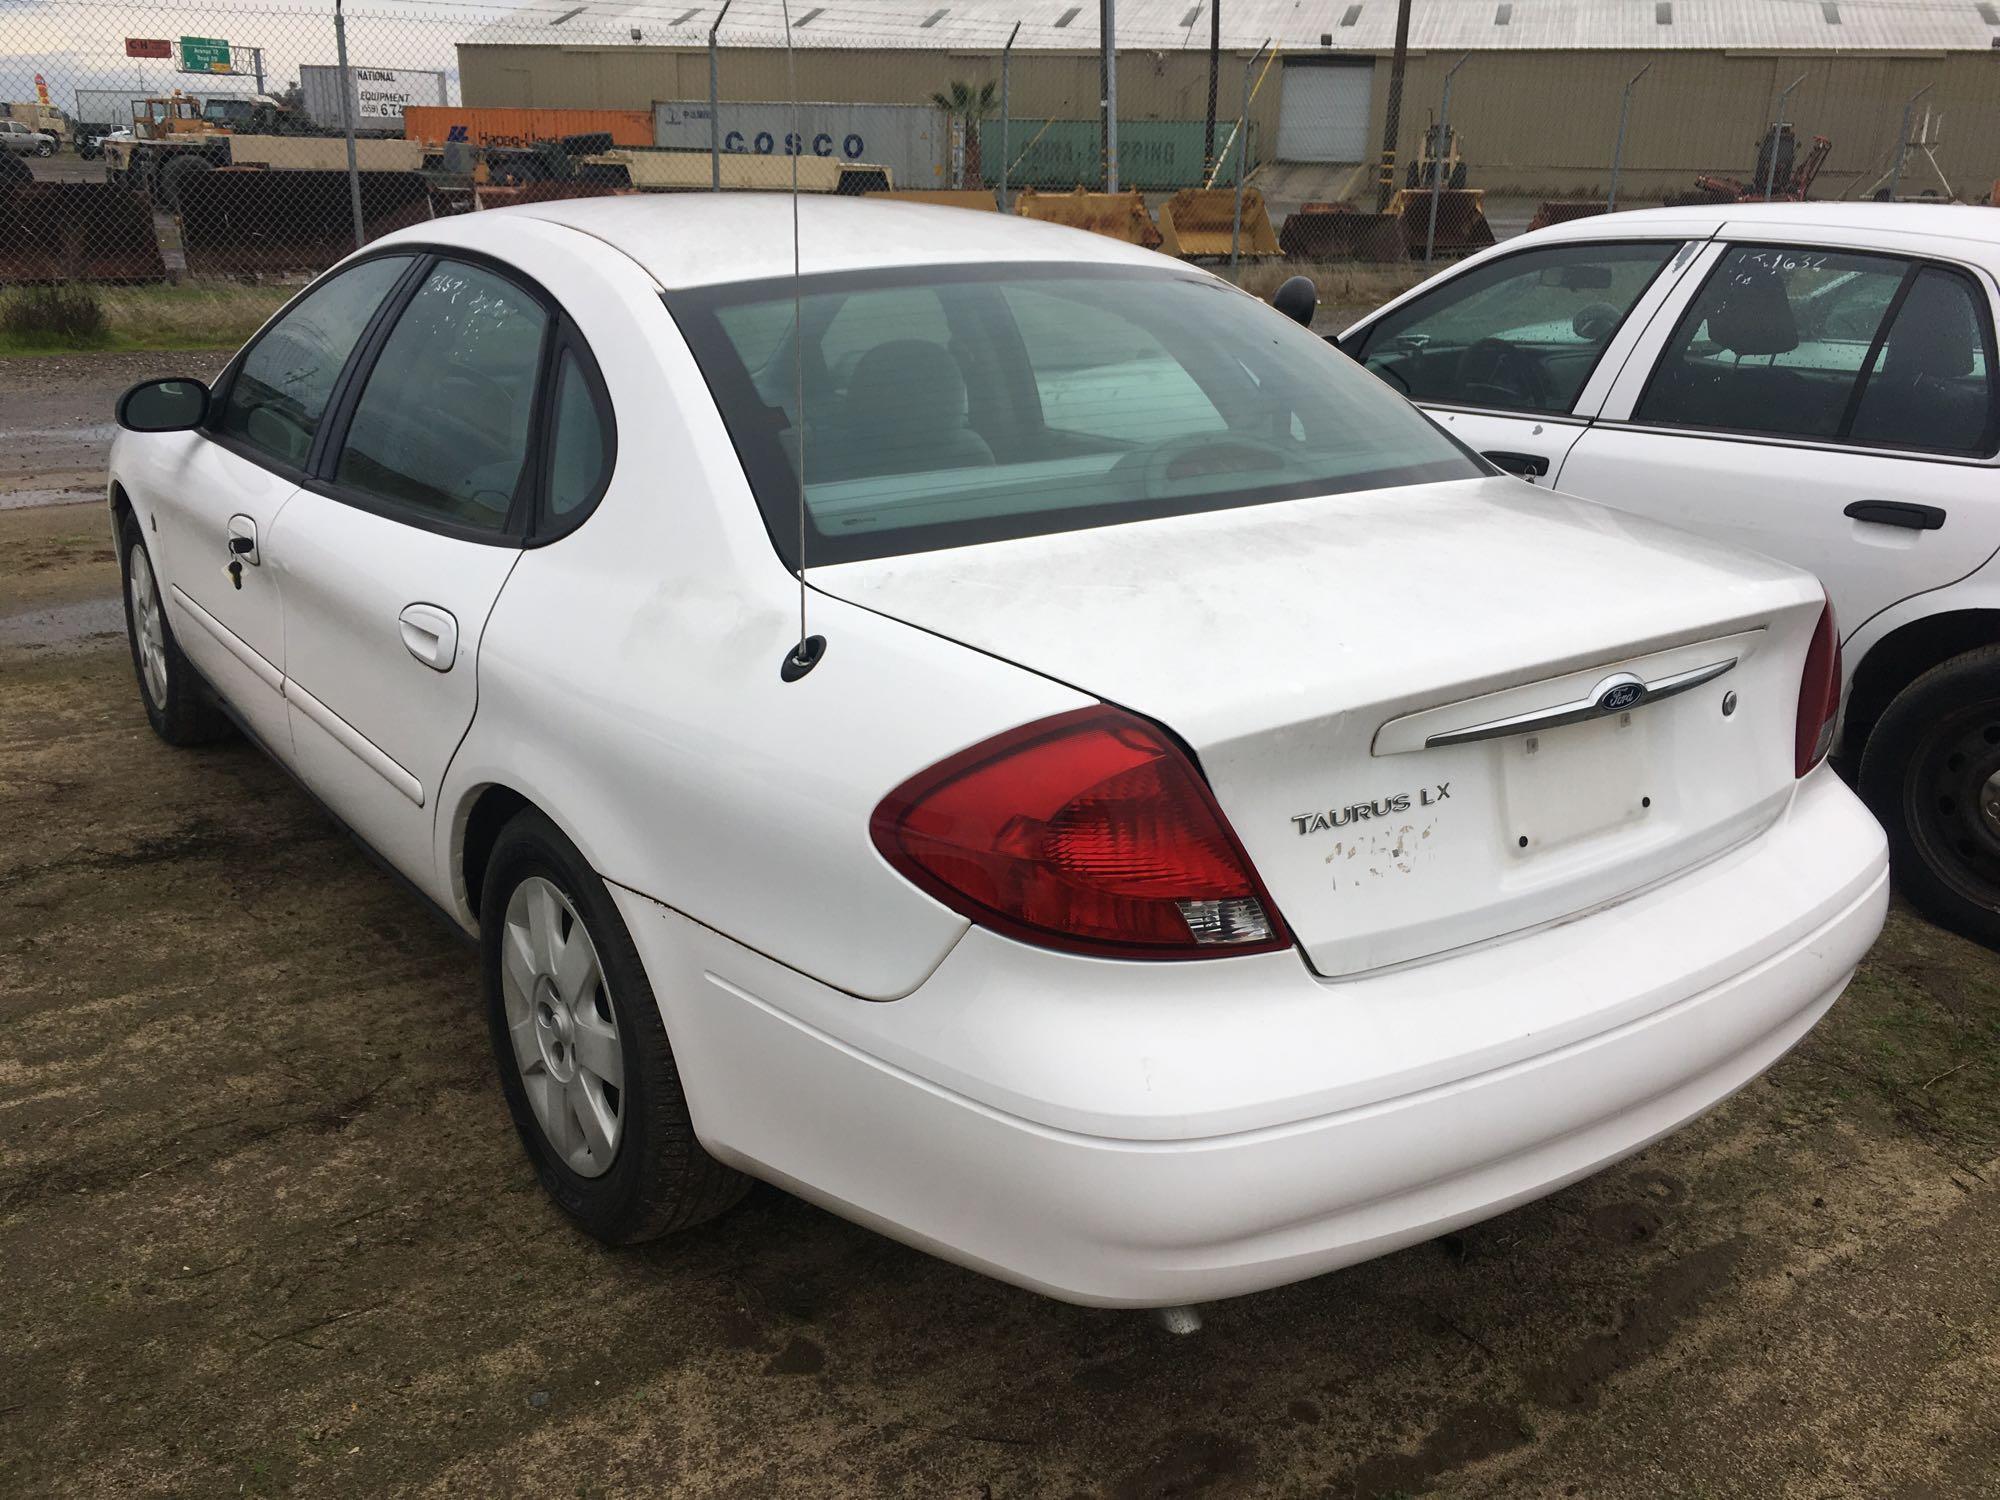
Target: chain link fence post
<point>346,93</point>
<point>1618,150</point>
<point>1903,140</point>
<point>1242,158</point>
<point>1440,157</point>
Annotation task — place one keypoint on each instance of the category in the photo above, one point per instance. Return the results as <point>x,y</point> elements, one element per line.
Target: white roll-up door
<point>1323,110</point>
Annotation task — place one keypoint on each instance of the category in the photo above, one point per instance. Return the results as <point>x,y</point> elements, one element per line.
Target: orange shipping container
<point>434,125</point>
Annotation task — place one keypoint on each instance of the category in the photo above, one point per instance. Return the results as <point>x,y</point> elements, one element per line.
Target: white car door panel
<point>393,557</point>
<point>1876,524</point>
<point>230,622</point>
<point>1794,503</point>
<point>1514,355</point>
<point>373,725</point>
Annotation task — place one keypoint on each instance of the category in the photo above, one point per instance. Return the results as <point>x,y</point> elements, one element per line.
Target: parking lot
<point>267,1229</point>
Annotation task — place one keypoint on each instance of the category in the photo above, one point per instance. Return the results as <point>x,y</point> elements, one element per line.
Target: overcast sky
<point>81,43</point>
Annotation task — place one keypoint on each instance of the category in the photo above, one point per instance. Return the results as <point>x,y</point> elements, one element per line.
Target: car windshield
<point>952,405</point>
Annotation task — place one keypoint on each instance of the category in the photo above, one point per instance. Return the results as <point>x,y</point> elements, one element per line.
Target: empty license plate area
<point>1563,785</point>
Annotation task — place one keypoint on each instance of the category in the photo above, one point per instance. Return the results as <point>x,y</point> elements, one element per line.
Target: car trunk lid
<point>1399,697</point>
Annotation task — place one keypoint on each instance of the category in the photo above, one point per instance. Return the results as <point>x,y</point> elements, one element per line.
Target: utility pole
<point>347,124</point>
<point>1214,61</point>
<point>1392,114</point>
<point>1107,25</point>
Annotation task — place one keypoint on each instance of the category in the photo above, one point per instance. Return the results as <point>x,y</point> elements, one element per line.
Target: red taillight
<point>1089,831</point>
<point>1819,695</point>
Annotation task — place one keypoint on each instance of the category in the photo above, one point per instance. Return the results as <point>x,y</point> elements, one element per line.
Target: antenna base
<point>802,658</point>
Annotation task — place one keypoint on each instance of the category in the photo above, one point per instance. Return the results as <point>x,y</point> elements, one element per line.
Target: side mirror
<point>174,405</point>
<point>1297,299</point>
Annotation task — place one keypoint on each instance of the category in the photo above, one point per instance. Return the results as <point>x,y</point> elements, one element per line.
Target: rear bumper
<point>1138,1135</point>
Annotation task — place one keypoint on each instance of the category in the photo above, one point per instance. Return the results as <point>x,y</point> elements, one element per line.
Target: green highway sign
<point>204,54</point>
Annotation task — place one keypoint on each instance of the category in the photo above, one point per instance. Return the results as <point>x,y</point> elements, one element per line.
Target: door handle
<point>1898,513</point>
<point>1528,466</point>
<point>430,635</point>
<point>243,540</point>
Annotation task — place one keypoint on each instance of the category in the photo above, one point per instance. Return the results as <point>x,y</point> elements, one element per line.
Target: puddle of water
<point>27,499</point>
<point>64,626</point>
<point>94,432</point>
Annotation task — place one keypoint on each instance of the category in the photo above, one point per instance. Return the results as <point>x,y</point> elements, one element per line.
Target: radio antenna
<point>805,656</point>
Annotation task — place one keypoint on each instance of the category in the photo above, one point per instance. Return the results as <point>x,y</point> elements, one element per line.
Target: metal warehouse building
<point>1537,100</point>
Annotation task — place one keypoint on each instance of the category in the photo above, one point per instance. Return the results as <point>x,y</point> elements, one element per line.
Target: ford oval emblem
<point>1620,696</point>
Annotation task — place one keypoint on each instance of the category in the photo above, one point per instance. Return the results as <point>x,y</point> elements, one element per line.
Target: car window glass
<point>1774,341</point>
<point>577,447</point>
<point>961,404</point>
<point>1100,375</point>
<point>1521,333</point>
<point>442,426</point>
<point>1932,386</point>
<point>278,395</point>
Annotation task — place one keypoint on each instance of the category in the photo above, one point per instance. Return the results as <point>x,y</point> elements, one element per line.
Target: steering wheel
<point>1496,371</point>
<point>1390,372</point>
<point>1174,461</point>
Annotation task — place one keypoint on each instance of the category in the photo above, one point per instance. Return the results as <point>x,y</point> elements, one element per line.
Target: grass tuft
<point>189,315</point>
<point>63,314</point>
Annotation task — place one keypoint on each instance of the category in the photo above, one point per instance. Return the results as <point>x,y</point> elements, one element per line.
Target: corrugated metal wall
<point>1539,122</point>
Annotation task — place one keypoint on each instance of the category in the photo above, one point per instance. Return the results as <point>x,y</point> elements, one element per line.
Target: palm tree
<point>961,101</point>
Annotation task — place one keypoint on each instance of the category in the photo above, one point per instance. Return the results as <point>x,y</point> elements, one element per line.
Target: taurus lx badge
<point>1354,812</point>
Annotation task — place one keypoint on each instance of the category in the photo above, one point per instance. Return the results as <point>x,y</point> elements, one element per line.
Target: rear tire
<point>174,177</point>
<point>176,700</point>
<point>584,1060</point>
<point>1931,774</point>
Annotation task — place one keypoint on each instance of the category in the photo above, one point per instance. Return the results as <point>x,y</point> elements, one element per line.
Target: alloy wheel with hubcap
<point>149,634</point>
<point>563,1027</point>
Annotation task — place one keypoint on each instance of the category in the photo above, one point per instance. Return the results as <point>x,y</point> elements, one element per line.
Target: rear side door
<point>1513,355</point>
<point>1828,405</point>
<point>216,510</point>
<point>395,551</point>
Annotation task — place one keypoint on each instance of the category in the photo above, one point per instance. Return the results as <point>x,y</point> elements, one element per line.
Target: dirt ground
<point>266,1229</point>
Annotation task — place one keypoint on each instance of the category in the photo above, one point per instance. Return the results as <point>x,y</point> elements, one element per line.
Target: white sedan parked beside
<point>1220,830</point>
<point>1816,381</point>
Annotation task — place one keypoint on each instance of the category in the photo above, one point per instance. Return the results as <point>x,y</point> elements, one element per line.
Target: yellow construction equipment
<point>1200,224</point>
<point>1122,216</point>
<point>1461,219</point>
<point>974,198</point>
<point>1339,231</point>
<point>657,171</point>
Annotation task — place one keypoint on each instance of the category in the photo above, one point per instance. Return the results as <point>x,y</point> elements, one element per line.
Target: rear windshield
<point>951,405</point>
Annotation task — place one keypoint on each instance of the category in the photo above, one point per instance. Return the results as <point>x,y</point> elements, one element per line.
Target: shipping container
<point>376,97</point>
<point>523,127</point>
<point>1154,155</point>
<point>909,139</point>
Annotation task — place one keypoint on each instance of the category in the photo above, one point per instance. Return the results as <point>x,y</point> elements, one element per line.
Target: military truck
<point>177,137</point>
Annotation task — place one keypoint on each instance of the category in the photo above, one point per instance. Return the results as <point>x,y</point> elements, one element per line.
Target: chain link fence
<point>191,166</point>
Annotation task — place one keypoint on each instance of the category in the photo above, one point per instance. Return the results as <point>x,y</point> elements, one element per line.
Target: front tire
<point>176,703</point>
<point>584,1060</point>
<point>1931,774</point>
<point>45,148</point>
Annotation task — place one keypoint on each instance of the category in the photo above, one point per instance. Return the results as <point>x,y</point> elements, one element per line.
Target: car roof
<point>708,239</point>
<point>1964,221</point>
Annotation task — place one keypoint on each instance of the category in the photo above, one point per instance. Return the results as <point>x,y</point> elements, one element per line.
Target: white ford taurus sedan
<point>1219,829</point>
